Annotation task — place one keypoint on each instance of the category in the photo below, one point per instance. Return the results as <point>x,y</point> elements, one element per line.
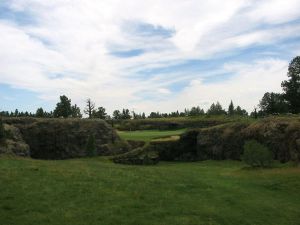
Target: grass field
<point>96,191</point>
<point>148,135</point>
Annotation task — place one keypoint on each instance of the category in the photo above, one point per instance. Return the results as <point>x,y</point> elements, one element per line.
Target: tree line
<point>271,103</point>
<point>65,109</point>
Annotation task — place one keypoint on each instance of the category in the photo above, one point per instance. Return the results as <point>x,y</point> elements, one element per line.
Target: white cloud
<point>67,49</point>
<point>164,91</point>
<point>246,87</point>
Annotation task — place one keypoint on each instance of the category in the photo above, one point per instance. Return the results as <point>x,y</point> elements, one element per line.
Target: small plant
<point>90,146</point>
<point>256,155</point>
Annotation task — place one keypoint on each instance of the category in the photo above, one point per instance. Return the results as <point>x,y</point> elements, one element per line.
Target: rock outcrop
<point>14,143</point>
<point>281,136</point>
<point>65,138</point>
<point>226,141</point>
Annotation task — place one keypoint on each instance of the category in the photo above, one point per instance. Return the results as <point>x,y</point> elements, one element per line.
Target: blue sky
<point>147,56</point>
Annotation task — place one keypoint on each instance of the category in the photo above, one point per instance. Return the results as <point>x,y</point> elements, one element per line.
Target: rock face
<point>14,143</point>
<point>226,141</point>
<point>150,153</point>
<point>281,136</point>
<point>64,138</point>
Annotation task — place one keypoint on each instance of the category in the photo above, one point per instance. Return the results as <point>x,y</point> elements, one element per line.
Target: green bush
<point>257,155</point>
<point>90,146</point>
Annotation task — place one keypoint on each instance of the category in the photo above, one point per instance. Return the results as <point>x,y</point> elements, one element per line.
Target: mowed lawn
<point>97,191</point>
<point>148,135</point>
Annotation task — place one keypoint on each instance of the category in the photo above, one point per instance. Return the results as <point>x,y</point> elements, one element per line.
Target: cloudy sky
<point>150,55</point>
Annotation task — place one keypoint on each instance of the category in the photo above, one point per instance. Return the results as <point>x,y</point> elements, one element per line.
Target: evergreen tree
<point>216,109</point>
<point>195,111</point>
<point>125,114</point>
<point>117,115</point>
<point>241,112</point>
<point>39,113</point>
<point>100,113</point>
<point>155,115</point>
<point>63,108</point>
<point>291,87</point>
<point>16,113</point>
<point>231,109</point>
<point>76,111</point>
<point>273,103</point>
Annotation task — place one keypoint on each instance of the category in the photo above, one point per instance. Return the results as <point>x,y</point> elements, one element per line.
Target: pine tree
<point>76,111</point>
<point>273,103</point>
<point>63,108</point>
<point>117,115</point>
<point>216,109</point>
<point>100,113</point>
<point>231,109</point>
<point>39,113</point>
<point>125,114</point>
<point>291,87</point>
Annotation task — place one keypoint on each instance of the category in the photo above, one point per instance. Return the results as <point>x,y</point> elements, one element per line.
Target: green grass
<point>96,191</point>
<point>148,135</point>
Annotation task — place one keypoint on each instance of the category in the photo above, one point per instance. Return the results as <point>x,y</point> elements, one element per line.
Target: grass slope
<point>148,135</point>
<point>96,191</point>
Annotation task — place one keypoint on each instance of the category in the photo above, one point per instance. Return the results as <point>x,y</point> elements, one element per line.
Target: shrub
<point>90,146</point>
<point>256,155</point>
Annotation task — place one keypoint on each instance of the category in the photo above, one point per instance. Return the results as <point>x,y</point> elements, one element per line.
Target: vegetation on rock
<point>256,155</point>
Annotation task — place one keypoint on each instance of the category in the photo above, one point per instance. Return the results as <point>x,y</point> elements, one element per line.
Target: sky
<point>150,55</point>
